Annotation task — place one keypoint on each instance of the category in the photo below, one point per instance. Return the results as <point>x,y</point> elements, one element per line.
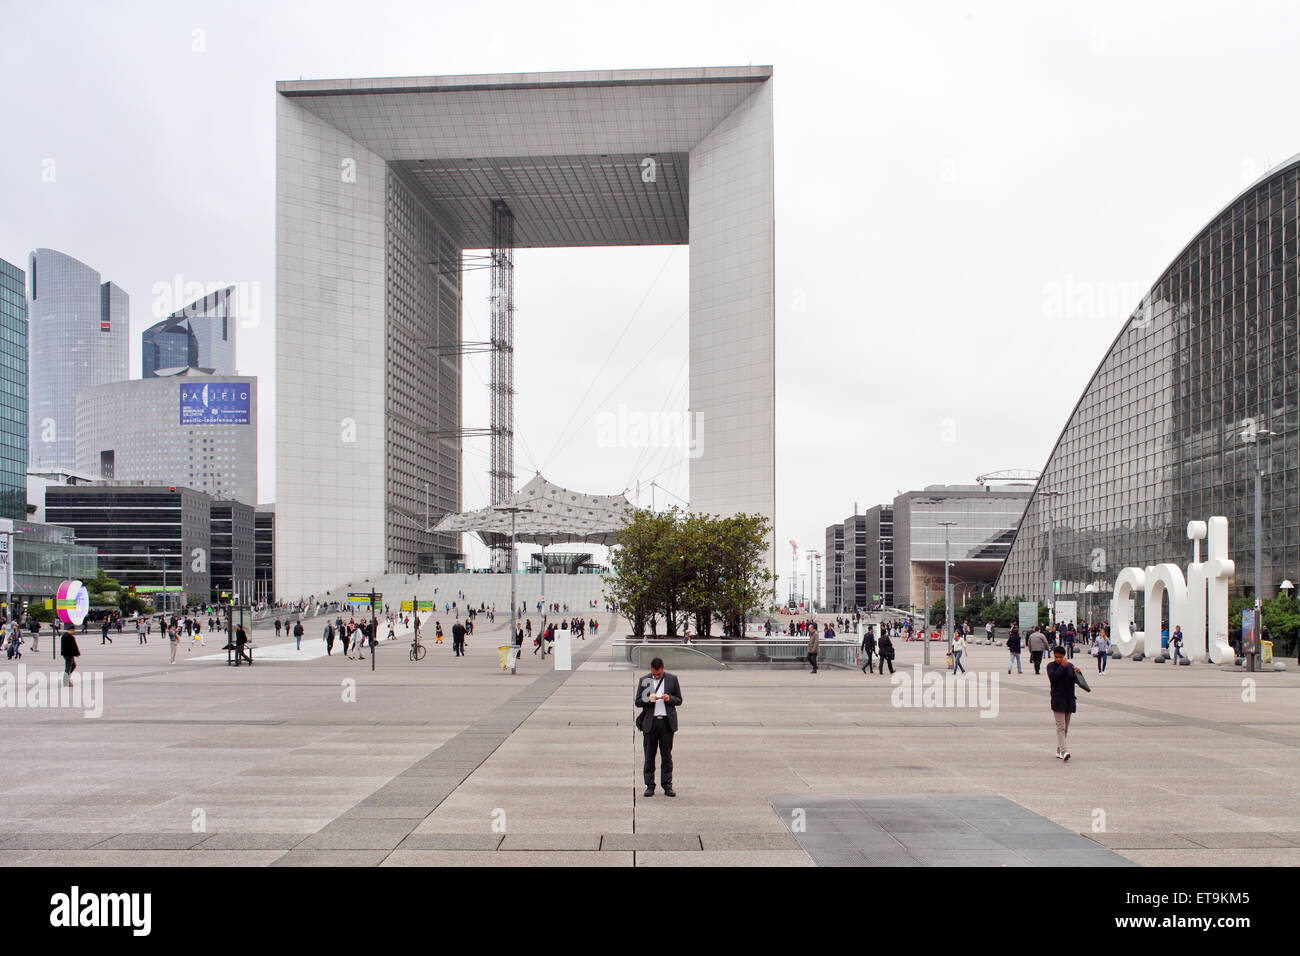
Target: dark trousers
<point>884,661</point>
<point>1036,658</point>
<point>869,665</point>
<point>659,736</point>
<point>69,665</point>
<point>812,659</point>
<point>458,647</point>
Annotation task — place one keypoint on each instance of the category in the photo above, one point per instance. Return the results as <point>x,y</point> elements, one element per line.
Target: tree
<point>745,582</point>
<point>648,565</point>
<point>684,566</point>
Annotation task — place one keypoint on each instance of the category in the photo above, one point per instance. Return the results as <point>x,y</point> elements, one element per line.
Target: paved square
<point>317,760</point>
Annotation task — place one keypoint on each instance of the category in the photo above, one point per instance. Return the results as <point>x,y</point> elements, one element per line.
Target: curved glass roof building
<point>1156,440</point>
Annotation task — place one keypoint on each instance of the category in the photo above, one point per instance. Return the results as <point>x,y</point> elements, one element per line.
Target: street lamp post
<point>947,588</point>
<point>1051,556</point>
<point>925,626</point>
<point>1255,434</point>
<point>514,607</point>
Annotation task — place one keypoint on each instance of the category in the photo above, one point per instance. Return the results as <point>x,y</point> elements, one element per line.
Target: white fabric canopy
<point>557,515</point>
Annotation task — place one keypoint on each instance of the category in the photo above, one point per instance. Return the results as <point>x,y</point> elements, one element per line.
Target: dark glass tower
<point>201,335</point>
<point>13,392</point>
<point>1212,353</point>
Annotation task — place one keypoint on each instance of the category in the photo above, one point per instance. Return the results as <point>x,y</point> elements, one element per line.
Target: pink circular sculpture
<point>71,602</point>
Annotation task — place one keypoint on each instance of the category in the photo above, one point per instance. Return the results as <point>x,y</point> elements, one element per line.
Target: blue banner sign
<point>215,403</point>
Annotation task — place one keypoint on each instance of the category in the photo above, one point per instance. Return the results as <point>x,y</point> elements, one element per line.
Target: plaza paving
<point>451,761</point>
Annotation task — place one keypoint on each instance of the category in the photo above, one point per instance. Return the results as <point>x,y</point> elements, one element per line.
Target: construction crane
<point>794,573</point>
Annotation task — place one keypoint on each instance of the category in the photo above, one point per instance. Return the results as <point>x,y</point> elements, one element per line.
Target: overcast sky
<point>970,200</point>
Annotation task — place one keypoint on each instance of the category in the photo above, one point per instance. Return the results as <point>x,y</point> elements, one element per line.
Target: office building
<point>233,552</point>
<point>264,554</point>
<point>13,392</point>
<point>77,338</point>
<point>860,561</point>
<point>184,427</point>
<point>984,522</point>
<point>383,183</point>
<point>1202,378</point>
<point>45,555</point>
<point>153,538</point>
<point>199,336</point>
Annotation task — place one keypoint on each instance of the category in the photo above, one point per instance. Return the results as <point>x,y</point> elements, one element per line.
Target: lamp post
<point>947,588</point>
<point>160,562</point>
<point>1051,555</point>
<point>1255,434</point>
<point>925,626</point>
<point>512,510</point>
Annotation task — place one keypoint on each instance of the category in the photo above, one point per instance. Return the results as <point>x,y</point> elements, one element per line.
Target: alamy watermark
<point>628,428</point>
<point>42,689</point>
<point>934,689</point>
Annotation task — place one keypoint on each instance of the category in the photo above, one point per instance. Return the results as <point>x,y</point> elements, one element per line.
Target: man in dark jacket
<point>1061,674</point>
<point>458,639</point>
<point>69,651</point>
<point>658,694</point>
<point>868,648</point>
<point>1013,647</point>
<point>886,648</point>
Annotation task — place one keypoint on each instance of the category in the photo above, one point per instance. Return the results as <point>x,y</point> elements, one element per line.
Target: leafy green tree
<point>683,567</point>
<point>649,568</point>
<point>745,582</point>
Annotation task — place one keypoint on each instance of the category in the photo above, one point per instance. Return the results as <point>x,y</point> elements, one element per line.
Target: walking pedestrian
<point>886,649</point>
<point>297,635</point>
<point>814,639</point>
<point>868,649</point>
<point>69,651</point>
<point>1037,645</point>
<point>329,639</point>
<point>1061,674</point>
<point>658,694</point>
<point>1101,647</point>
<point>1013,647</point>
<point>174,638</point>
<point>458,638</point>
<point>1176,644</point>
<point>958,648</point>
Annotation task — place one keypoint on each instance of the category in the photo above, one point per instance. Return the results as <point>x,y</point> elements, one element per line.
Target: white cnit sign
<point>1202,594</point>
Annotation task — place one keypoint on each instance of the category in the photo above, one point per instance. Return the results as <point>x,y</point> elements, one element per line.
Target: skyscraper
<point>13,393</point>
<point>77,338</point>
<point>201,335</point>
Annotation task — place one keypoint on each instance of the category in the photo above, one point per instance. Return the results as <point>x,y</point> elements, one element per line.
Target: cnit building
<point>381,187</point>
<point>1168,429</point>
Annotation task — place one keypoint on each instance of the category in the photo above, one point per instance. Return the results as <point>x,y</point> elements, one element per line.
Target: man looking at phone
<point>658,694</point>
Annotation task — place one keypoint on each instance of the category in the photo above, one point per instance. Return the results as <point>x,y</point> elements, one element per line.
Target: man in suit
<point>458,639</point>
<point>658,694</point>
<point>868,648</point>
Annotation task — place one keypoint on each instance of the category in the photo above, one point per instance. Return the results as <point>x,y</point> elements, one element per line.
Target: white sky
<point>970,199</point>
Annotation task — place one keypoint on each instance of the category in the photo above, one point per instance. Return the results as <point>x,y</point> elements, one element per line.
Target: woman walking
<point>1101,647</point>
<point>174,638</point>
<point>958,648</point>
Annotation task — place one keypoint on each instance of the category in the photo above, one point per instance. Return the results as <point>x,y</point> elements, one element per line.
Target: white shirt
<point>660,709</point>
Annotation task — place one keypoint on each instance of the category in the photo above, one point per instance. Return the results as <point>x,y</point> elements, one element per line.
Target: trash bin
<point>503,654</point>
<point>1266,652</point>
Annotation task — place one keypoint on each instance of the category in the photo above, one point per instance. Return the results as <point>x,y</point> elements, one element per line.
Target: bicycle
<point>417,649</point>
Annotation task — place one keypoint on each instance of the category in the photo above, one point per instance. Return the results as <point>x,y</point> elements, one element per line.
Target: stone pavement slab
<point>430,760</point>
